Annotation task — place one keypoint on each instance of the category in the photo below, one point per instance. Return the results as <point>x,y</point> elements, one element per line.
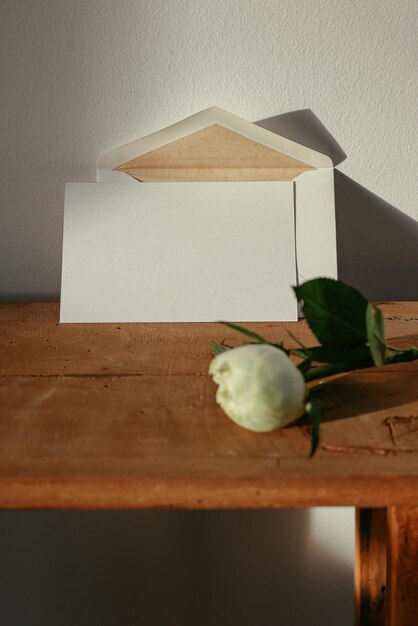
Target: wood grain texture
<point>370,567</point>
<point>214,153</point>
<point>402,607</point>
<point>124,416</point>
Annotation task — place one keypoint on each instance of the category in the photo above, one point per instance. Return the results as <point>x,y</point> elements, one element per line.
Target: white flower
<point>259,387</point>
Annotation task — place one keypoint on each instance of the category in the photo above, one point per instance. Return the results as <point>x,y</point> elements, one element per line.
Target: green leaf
<point>304,366</point>
<point>328,354</point>
<point>334,311</point>
<point>304,353</point>
<point>313,409</point>
<point>245,331</point>
<point>218,348</point>
<point>281,347</point>
<point>375,325</point>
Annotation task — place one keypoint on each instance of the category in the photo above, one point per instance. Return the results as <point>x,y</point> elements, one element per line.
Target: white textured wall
<point>79,77</point>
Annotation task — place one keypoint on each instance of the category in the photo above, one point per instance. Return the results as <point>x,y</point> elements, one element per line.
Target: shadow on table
<point>170,568</point>
<point>356,393</point>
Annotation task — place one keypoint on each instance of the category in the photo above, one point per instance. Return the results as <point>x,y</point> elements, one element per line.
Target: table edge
<point>206,493</point>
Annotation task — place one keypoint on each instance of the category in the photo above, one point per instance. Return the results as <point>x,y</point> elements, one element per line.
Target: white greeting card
<point>181,253</point>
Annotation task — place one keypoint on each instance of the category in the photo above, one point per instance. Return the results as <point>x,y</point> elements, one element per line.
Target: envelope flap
<point>212,145</point>
<point>214,153</point>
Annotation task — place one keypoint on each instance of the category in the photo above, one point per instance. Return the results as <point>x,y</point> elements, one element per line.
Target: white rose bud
<point>259,387</point>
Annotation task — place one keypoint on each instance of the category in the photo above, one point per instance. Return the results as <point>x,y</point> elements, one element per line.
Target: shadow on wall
<point>171,568</point>
<point>304,127</point>
<point>377,244</point>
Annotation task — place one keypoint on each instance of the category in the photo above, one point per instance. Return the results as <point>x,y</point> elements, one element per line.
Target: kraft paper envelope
<point>229,217</point>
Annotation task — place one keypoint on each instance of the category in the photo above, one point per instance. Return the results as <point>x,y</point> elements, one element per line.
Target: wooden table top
<point>124,416</point>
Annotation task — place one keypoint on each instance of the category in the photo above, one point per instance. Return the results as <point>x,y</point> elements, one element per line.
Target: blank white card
<point>169,252</point>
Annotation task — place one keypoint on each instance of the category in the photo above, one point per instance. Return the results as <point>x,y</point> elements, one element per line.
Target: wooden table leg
<point>402,551</point>
<point>386,570</point>
<point>370,567</point>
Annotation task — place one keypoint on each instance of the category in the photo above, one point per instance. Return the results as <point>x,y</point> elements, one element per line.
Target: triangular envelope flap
<point>213,153</point>
<point>210,145</point>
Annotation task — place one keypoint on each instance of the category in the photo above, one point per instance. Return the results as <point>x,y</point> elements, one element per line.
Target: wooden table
<point>117,416</point>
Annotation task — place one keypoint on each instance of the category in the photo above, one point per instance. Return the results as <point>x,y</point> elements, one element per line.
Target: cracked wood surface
<point>124,416</point>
